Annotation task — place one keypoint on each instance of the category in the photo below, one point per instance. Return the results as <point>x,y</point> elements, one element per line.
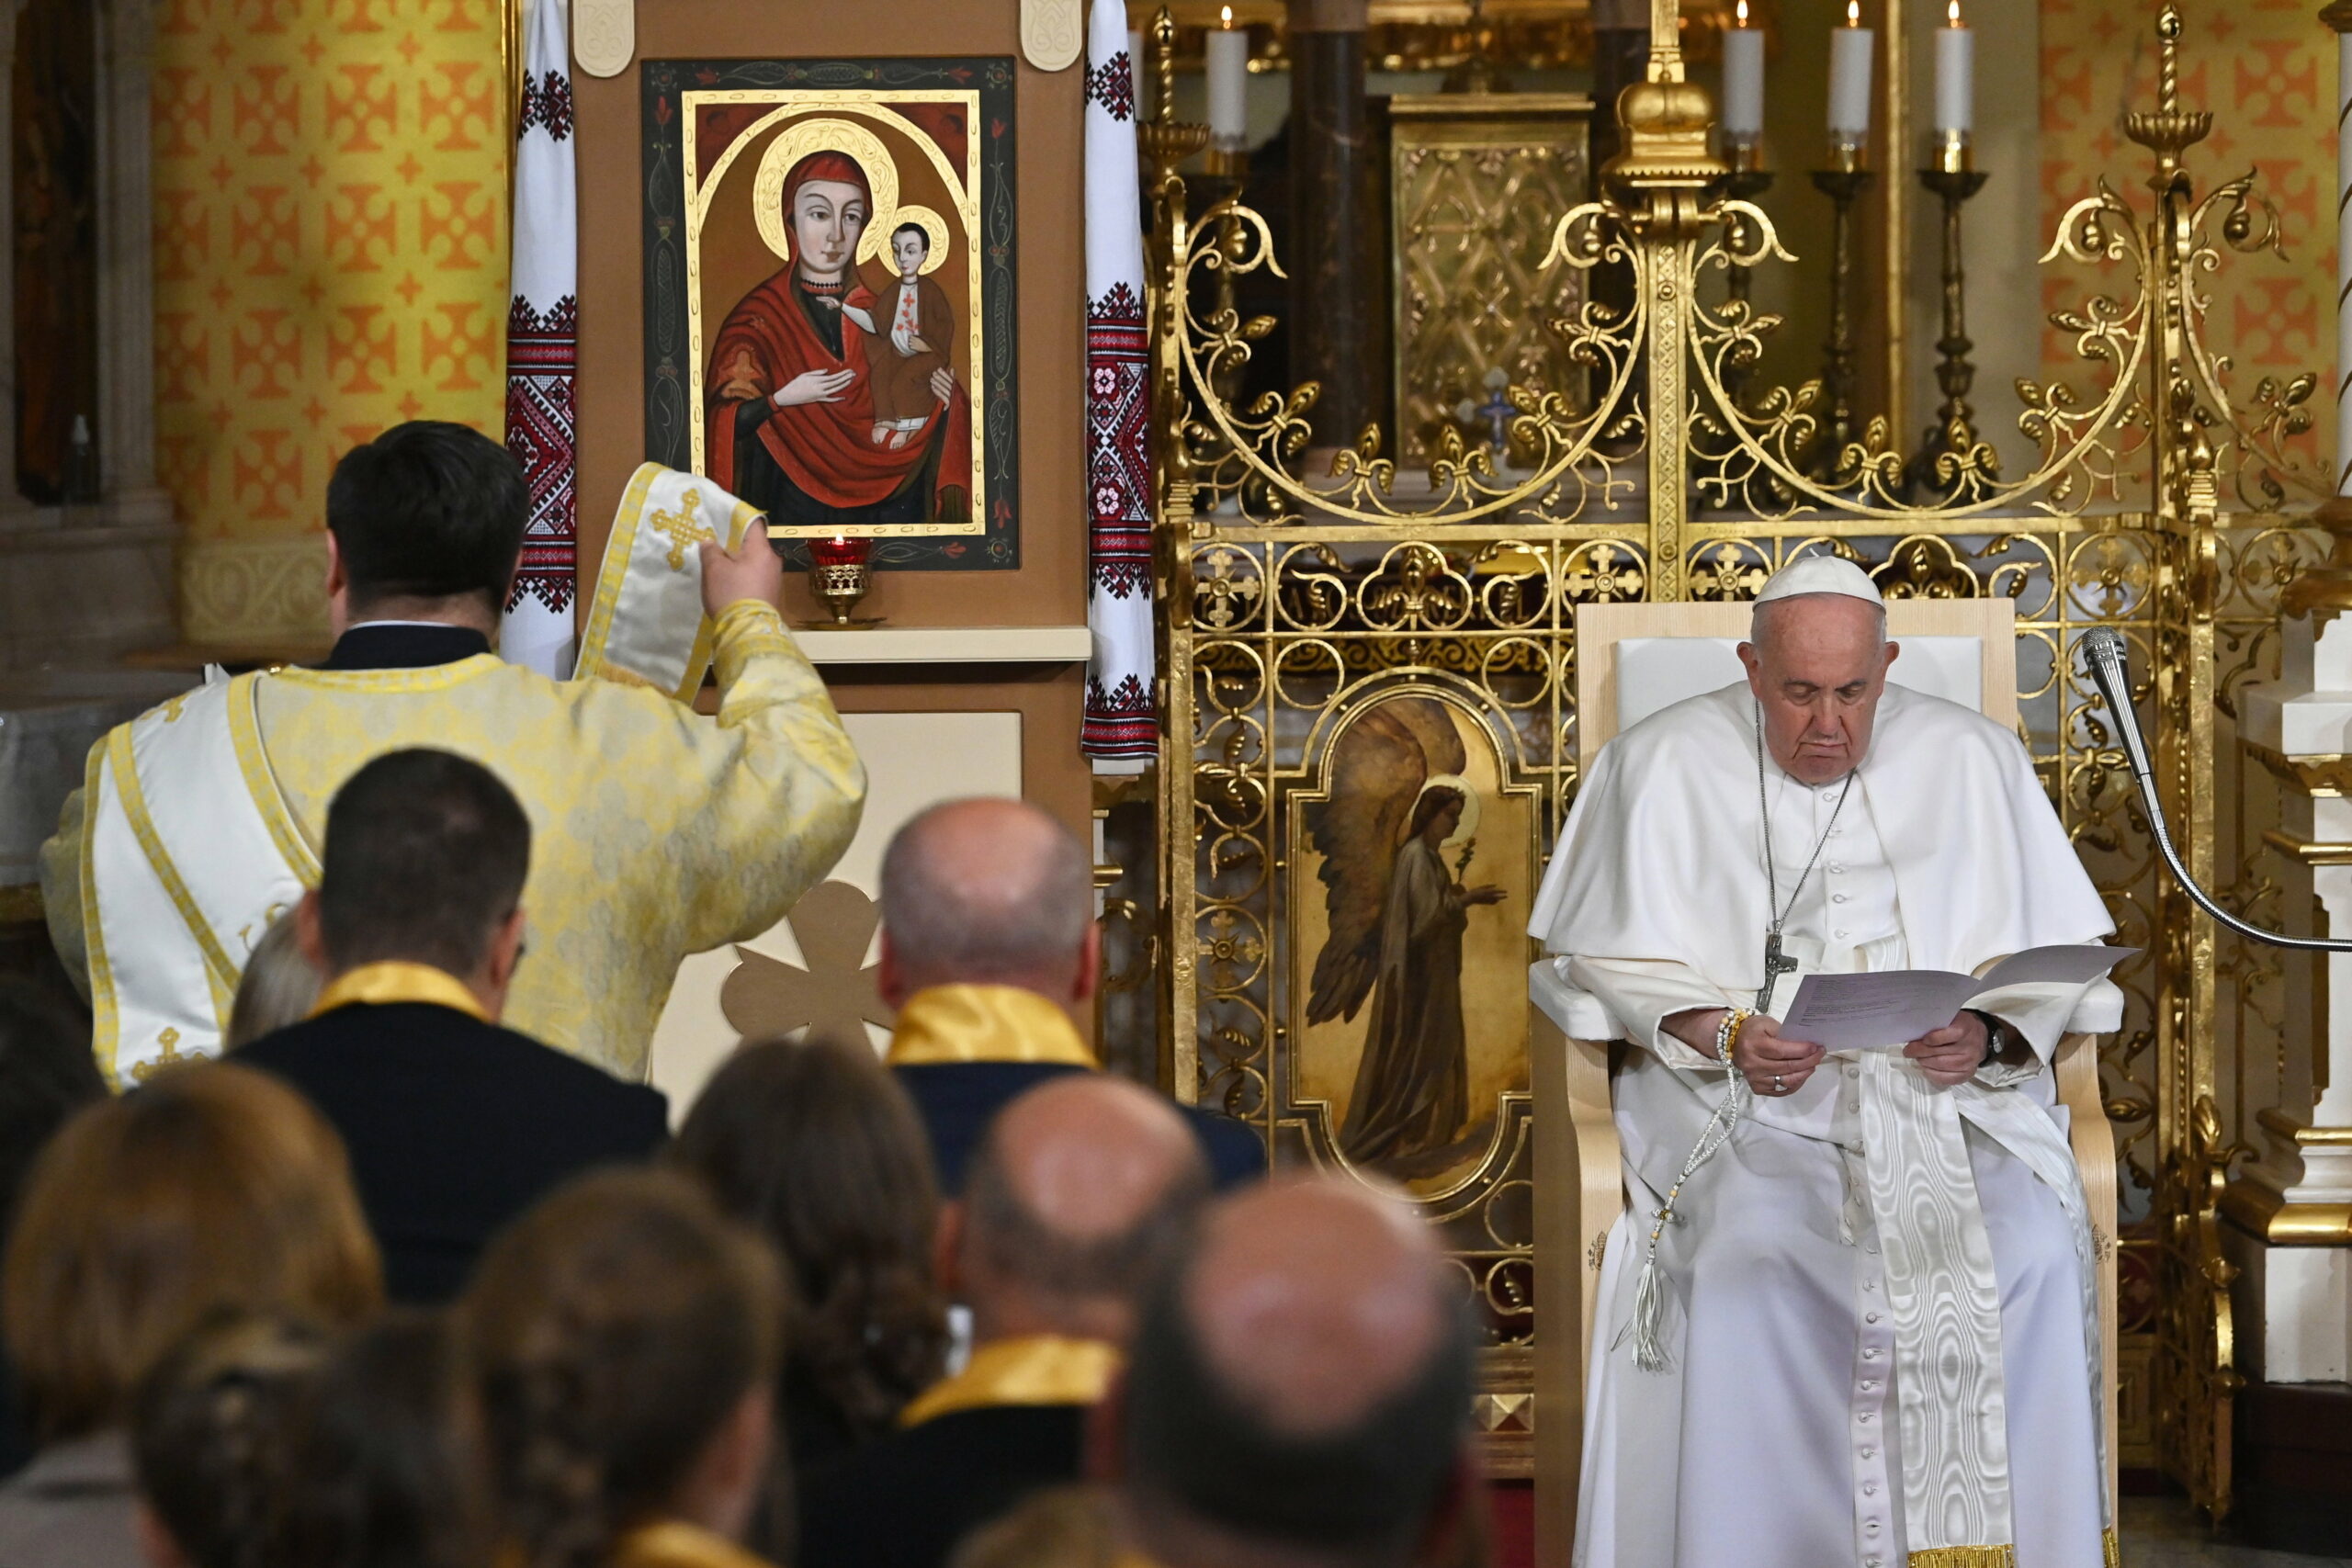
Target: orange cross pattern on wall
<point>331,243</point>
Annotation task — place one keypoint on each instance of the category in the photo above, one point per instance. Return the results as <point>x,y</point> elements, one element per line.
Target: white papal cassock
<point>1879,1310</point>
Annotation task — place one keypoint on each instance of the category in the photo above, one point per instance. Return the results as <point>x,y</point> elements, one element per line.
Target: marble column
<point>2290,1206</point>
<point>126,255</point>
<point>1339,299</point>
<point>82,585</point>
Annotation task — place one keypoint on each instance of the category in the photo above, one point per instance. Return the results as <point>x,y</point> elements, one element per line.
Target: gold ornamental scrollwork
<point>2157,502</point>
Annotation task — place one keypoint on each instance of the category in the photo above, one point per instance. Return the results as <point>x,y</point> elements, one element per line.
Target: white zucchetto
<point>1821,574</point>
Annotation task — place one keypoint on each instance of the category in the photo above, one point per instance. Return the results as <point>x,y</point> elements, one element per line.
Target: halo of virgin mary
<point>791,393</point>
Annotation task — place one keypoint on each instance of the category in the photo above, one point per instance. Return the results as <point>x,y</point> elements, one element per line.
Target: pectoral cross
<point>1775,966</point>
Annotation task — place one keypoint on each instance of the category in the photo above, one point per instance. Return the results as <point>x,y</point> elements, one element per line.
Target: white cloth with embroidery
<point>191,851</point>
<point>1881,1312</point>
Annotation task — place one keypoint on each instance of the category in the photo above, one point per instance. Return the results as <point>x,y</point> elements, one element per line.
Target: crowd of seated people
<point>394,1286</point>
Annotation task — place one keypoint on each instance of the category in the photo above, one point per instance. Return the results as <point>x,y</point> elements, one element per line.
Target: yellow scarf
<point>1033,1369</point>
<point>378,985</point>
<point>673,1544</point>
<point>985,1023</point>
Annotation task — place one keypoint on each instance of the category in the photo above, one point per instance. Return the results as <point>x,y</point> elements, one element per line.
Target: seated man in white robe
<point>1866,1334</point>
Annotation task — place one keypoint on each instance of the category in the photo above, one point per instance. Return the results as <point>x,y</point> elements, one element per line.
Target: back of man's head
<point>425,857</point>
<point>987,892</point>
<point>1080,1197</point>
<point>427,510</point>
<point>1299,1391</point>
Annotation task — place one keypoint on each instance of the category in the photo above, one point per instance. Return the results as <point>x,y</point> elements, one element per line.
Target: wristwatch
<point>1997,1033</point>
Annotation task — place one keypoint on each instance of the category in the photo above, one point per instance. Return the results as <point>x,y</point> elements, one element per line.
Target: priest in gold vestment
<point>659,833</point>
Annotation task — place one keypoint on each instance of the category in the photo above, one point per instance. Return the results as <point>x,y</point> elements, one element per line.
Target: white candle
<point>1228,70</point>
<point>1955,72</point>
<point>1850,78</point>
<point>1744,80</point>
<point>1134,64</point>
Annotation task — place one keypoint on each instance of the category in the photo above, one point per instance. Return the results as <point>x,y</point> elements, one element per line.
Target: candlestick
<point>1743,79</point>
<point>1955,73</point>
<point>1933,481</point>
<point>1227,62</point>
<point>1851,51</point>
<point>1843,185</point>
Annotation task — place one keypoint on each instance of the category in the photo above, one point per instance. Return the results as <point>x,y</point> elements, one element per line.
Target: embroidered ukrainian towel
<point>647,626</point>
<point>1120,721</point>
<point>189,855</point>
<point>542,348</point>
<point>189,850</point>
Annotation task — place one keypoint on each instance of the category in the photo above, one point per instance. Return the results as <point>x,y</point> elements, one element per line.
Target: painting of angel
<point>1397,839</point>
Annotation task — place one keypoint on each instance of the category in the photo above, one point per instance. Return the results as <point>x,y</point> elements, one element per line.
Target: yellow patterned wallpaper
<point>2266,70</point>
<point>330,259</point>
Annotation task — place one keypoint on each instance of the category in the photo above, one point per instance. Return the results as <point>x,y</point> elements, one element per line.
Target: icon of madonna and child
<point>831,394</point>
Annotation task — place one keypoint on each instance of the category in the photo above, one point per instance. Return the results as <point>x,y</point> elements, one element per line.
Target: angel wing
<point>1378,769</point>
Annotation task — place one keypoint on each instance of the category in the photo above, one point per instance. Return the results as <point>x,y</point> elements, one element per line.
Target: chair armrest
<point>2101,1011</point>
<point>1579,1193</point>
<point>2093,1139</point>
<point>1575,1013</point>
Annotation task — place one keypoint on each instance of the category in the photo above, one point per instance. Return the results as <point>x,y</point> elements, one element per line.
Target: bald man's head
<point>1306,1379</point>
<point>987,892</point>
<point>1077,1200</point>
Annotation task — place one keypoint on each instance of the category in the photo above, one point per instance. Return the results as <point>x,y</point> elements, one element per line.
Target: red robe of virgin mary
<point>817,464</point>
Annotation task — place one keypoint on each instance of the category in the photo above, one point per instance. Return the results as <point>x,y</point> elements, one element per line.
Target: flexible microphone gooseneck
<point>2104,661</point>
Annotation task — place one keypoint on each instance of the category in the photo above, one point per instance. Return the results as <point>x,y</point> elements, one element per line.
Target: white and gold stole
<point>189,850</point>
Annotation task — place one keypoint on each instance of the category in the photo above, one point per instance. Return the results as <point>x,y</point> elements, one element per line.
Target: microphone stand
<point>2104,661</point>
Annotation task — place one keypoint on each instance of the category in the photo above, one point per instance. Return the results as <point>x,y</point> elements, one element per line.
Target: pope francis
<point>1849,1317</point>
<point>657,832</point>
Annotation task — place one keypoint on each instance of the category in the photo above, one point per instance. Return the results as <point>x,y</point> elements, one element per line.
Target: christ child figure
<point>912,329</point>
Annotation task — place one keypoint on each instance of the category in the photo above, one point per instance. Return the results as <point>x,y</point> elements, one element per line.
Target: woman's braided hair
<point>613,1331</point>
<point>212,1433</point>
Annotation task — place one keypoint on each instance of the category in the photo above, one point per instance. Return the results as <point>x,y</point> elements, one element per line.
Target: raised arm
<point>785,788</point>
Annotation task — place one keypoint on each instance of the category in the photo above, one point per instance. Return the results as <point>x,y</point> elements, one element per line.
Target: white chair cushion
<point>1653,672</point>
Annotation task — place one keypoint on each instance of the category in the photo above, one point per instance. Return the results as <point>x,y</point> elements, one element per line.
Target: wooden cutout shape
<point>1052,34</point>
<point>836,993</point>
<point>604,35</point>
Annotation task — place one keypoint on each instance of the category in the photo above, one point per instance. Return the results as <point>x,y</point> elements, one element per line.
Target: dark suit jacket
<point>455,1127</point>
<point>905,1501</point>
<point>956,1099</point>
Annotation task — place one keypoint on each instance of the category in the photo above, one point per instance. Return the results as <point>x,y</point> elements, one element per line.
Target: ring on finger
<point>1778,1087</point>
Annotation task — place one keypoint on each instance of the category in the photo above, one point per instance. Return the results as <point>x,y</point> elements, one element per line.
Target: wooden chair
<point>1653,655</point>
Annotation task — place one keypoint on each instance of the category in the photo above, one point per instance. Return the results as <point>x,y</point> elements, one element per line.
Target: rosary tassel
<point>1647,1326</point>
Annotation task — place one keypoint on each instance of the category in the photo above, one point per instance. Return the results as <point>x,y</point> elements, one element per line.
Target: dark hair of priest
<point>213,1435</point>
<point>386,1471</point>
<point>816,1146</point>
<point>427,510</point>
<point>425,857</point>
<point>1366,1493</point>
<point>210,1186</point>
<point>624,1340</point>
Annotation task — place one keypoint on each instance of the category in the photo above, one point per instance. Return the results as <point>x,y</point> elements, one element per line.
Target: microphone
<point>2106,661</point>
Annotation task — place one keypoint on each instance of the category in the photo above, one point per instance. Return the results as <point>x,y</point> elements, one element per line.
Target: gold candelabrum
<point>2152,502</point>
<point>1952,444</point>
<point>1843,181</point>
